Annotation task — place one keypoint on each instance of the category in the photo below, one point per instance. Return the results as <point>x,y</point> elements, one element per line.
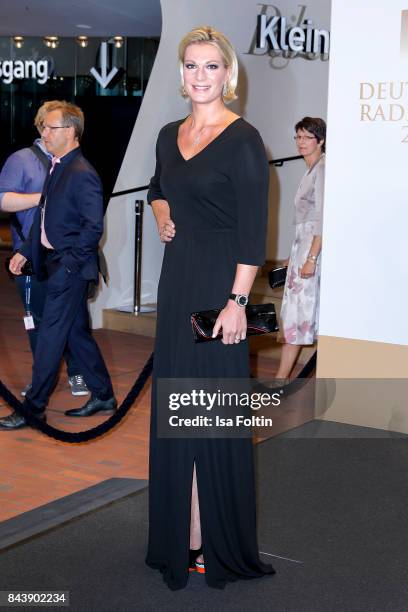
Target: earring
<point>183,92</point>
<point>225,90</point>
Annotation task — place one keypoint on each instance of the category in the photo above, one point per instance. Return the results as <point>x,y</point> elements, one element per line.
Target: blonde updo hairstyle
<point>207,34</point>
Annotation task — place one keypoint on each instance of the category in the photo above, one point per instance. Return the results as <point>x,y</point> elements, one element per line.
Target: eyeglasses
<point>53,127</point>
<point>304,138</point>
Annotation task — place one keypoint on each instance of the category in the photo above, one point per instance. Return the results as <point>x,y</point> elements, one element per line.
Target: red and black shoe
<point>200,567</point>
<point>194,565</point>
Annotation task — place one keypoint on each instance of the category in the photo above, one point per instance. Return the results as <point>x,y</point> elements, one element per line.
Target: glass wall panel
<point>110,99</point>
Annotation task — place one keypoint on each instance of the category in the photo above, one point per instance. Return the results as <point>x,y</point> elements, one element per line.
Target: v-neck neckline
<point>186,160</point>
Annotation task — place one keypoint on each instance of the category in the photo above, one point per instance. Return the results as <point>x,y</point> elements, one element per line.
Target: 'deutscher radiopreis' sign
<point>386,101</point>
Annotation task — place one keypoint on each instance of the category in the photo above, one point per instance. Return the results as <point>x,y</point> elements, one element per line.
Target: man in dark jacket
<point>21,182</point>
<point>63,244</point>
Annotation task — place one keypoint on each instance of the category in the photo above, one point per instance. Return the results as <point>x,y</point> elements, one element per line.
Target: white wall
<point>364,276</point>
<point>273,95</point>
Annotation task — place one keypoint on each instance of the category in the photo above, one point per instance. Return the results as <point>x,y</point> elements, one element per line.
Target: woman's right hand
<point>165,226</point>
<point>167,229</point>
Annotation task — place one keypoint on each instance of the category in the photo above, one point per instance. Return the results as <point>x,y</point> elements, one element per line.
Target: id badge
<point>29,322</point>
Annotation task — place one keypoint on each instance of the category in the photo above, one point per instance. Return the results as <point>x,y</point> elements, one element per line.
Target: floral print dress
<point>300,305</point>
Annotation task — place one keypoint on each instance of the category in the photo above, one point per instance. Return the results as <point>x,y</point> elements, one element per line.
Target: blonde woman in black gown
<point>209,196</point>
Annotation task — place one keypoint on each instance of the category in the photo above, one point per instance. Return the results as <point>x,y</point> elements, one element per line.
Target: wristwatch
<point>239,298</point>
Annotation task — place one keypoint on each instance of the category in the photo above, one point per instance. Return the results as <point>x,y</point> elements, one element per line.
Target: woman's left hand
<point>232,320</point>
<point>307,270</point>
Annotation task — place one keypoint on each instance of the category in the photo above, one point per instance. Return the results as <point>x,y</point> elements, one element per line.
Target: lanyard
<point>28,294</point>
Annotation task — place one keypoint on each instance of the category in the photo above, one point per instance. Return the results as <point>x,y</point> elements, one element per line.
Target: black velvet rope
<point>296,383</point>
<point>89,434</point>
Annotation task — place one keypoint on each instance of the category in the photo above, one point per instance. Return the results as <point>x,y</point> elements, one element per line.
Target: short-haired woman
<point>209,196</point>
<point>300,305</point>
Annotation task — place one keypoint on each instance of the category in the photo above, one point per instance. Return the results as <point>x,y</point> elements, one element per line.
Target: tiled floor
<point>36,469</point>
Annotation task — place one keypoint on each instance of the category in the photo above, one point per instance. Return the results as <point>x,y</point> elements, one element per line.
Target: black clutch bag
<point>261,319</point>
<point>26,270</point>
<point>277,277</point>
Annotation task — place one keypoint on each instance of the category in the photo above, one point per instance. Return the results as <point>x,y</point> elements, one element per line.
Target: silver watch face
<point>242,300</point>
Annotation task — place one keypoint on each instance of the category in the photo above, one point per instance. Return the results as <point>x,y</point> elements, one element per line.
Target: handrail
<point>127,191</point>
<point>273,162</point>
<point>280,162</point>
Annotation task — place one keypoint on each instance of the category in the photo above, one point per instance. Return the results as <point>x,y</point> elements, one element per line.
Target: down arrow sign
<point>104,79</point>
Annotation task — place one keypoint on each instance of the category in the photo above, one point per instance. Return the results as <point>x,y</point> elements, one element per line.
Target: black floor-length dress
<point>218,202</point>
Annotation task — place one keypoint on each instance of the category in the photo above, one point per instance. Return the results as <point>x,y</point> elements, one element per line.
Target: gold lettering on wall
<point>378,103</point>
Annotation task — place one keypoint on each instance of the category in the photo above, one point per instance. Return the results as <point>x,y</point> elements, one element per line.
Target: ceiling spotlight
<point>118,41</point>
<point>18,41</point>
<point>51,42</point>
<point>82,41</point>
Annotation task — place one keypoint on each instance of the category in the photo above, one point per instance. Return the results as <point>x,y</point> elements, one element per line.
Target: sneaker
<point>26,389</point>
<point>78,385</point>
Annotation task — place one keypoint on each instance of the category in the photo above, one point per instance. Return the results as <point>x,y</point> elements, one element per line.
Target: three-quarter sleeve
<point>250,177</point>
<point>319,199</point>
<point>155,191</point>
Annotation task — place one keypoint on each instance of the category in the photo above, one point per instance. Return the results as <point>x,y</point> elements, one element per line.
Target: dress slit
<point>198,502</point>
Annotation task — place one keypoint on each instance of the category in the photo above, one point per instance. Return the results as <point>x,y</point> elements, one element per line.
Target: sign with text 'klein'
<point>284,39</point>
<point>300,39</point>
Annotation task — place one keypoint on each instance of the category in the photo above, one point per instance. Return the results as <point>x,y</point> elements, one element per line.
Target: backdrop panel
<point>363,320</point>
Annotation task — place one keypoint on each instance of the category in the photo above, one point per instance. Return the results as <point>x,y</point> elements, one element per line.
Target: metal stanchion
<point>137,307</point>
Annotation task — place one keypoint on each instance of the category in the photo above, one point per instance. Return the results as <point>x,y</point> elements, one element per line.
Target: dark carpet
<point>332,503</point>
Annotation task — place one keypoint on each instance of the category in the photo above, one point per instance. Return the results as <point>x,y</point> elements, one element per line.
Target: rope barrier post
<point>139,206</point>
<point>137,283</point>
